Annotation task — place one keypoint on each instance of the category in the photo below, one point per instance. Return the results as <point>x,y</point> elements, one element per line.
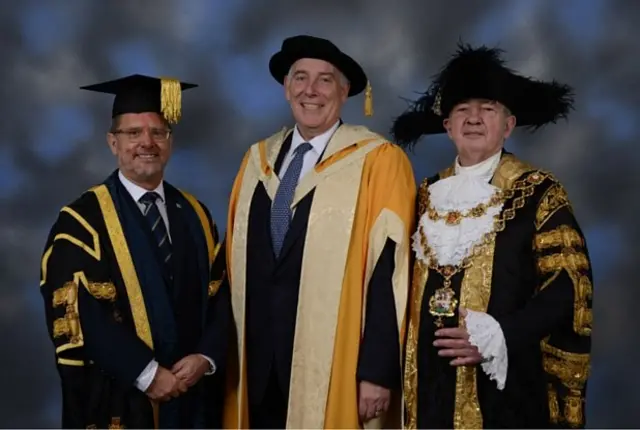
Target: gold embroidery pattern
<point>568,258</point>
<point>553,199</point>
<point>115,424</point>
<point>563,236</point>
<point>576,264</point>
<point>455,217</point>
<point>554,407</point>
<point>572,370</point>
<point>420,276</point>
<point>582,314</point>
<point>474,295</point>
<point>505,177</point>
<point>69,325</point>
<point>214,286</point>
<point>102,290</point>
<point>65,294</point>
<point>574,408</point>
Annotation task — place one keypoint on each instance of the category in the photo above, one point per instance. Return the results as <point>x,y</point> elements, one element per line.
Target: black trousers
<point>271,412</point>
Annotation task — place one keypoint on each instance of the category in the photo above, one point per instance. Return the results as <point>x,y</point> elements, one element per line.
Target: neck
<point>471,159</point>
<point>148,184</point>
<point>309,133</point>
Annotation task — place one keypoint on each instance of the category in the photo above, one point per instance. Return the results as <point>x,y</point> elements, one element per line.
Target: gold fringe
<point>368,100</point>
<point>171,99</point>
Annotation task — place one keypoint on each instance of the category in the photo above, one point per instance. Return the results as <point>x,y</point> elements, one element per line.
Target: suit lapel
<point>178,236</point>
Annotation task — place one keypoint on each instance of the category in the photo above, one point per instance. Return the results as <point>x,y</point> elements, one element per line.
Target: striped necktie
<point>157,225</point>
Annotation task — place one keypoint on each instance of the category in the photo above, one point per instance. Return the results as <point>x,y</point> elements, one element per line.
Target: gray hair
<point>341,77</point>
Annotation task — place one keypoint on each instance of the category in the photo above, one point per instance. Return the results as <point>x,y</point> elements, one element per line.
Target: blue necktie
<point>281,207</point>
<point>157,225</point>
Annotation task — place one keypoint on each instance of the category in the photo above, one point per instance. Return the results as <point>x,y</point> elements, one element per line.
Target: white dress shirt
<point>318,144</point>
<point>145,378</point>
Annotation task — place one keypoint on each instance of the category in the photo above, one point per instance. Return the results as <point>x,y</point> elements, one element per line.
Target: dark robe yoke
<point>111,308</point>
<point>288,355</point>
<point>533,276</point>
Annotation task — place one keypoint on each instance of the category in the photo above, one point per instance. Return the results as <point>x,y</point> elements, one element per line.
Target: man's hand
<point>165,385</point>
<point>190,369</point>
<point>373,400</point>
<point>455,343</point>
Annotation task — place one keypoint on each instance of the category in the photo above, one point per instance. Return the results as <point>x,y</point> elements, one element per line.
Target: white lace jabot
<point>464,190</point>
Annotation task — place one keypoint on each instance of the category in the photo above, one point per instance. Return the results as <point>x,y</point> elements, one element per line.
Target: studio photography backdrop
<point>52,135</point>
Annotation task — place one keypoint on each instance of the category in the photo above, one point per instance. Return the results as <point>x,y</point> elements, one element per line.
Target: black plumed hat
<point>480,73</point>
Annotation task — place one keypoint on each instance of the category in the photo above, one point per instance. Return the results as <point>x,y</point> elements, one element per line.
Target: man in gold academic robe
<point>135,299</point>
<point>318,257</point>
<point>500,310</point>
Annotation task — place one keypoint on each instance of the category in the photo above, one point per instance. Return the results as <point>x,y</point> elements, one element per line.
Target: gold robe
<point>364,194</point>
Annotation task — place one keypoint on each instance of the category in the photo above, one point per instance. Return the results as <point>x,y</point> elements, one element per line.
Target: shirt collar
<point>319,143</point>
<point>137,191</point>
<point>484,169</point>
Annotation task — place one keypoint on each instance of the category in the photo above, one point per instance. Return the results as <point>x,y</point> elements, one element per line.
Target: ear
<point>170,142</point>
<point>112,142</point>
<point>509,125</point>
<point>446,123</point>
<point>345,92</point>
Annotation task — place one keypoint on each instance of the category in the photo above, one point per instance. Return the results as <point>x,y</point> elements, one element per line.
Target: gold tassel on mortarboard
<point>368,100</point>
<point>171,99</point>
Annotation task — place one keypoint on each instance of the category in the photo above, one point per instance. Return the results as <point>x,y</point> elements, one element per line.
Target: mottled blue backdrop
<point>52,144</point>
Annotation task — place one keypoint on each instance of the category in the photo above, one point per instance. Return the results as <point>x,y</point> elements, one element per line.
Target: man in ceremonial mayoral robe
<point>500,309</point>
<point>318,257</point>
<point>135,297</point>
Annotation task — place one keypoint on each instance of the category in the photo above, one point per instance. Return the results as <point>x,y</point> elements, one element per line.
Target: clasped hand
<point>454,342</point>
<point>168,384</point>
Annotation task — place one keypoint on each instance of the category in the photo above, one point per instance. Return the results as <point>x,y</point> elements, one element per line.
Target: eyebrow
<point>332,74</point>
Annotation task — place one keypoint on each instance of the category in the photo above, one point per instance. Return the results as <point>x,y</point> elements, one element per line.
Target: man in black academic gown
<point>500,319</point>
<point>136,301</point>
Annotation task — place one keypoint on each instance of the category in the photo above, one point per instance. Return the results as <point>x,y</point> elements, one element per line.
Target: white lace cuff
<point>485,333</point>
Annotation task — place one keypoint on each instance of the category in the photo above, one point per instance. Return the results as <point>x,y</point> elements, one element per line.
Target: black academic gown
<point>536,284</point>
<point>111,307</point>
<point>272,300</point>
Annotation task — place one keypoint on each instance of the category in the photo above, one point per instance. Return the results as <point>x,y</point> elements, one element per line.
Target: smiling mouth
<point>310,106</point>
<point>147,156</point>
<point>473,134</point>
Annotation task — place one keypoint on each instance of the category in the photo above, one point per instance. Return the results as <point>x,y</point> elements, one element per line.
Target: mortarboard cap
<point>140,93</point>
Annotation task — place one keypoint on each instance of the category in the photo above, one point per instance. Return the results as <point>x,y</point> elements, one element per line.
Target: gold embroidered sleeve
<point>562,262</point>
<point>72,260</point>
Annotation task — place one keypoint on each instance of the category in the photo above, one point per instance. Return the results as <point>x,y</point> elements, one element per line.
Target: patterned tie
<point>158,227</point>
<point>281,207</point>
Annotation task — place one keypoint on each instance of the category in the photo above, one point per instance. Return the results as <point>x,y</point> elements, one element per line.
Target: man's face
<point>479,126</point>
<point>316,93</point>
<point>142,144</point>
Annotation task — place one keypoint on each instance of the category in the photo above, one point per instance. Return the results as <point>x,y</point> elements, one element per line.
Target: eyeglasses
<point>137,134</point>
